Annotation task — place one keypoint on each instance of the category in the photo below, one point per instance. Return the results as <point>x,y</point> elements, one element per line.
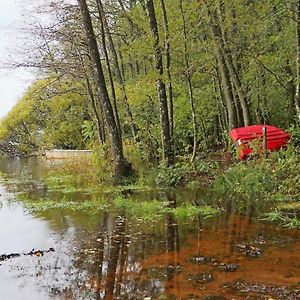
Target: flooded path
<point>111,255</point>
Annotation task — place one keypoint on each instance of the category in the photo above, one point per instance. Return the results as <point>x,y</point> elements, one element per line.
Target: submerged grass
<point>144,210</point>
<point>47,204</point>
<point>147,211</point>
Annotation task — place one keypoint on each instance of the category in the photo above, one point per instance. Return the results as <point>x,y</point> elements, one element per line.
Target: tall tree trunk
<point>219,91</point>
<point>99,119</point>
<point>234,76</point>
<point>225,82</point>
<point>161,88</point>
<point>118,71</point>
<point>122,168</point>
<point>168,65</point>
<point>237,106</point>
<point>190,86</point>
<point>121,65</point>
<point>222,117</point>
<point>222,67</point>
<point>110,76</point>
<point>291,109</point>
<point>297,84</point>
<point>99,122</point>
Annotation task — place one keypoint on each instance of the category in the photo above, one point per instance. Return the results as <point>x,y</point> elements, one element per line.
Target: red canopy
<point>276,138</point>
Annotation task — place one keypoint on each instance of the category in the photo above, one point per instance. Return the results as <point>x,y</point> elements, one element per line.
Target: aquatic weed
<point>145,210</point>
<point>189,211</point>
<point>41,205</point>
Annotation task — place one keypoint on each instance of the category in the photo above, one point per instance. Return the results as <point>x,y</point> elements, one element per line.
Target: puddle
<point>110,255</point>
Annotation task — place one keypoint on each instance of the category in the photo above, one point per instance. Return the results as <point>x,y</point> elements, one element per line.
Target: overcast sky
<point>13,83</point>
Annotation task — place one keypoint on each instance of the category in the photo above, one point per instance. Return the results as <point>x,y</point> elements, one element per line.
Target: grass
<point>146,211</point>
<point>189,211</point>
<point>273,182</point>
<point>287,220</point>
<point>47,204</point>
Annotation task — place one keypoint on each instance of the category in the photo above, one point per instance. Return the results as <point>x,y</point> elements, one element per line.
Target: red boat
<point>275,138</point>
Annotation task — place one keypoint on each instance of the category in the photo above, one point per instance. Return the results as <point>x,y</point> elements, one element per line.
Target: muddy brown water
<point>110,255</point>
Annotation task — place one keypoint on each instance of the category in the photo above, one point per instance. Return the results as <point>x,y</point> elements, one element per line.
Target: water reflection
<point>116,258</point>
<point>111,255</point>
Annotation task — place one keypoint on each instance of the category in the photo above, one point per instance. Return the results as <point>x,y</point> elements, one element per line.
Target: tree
<point>168,68</point>
<point>161,88</point>
<point>117,68</point>
<point>122,168</point>
<point>297,83</point>
<point>190,85</point>
<point>222,67</point>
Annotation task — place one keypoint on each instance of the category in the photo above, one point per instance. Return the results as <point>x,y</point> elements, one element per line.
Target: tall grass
<point>271,180</point>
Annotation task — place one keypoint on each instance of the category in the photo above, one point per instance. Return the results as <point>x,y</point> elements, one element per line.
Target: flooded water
<point>111,255</point>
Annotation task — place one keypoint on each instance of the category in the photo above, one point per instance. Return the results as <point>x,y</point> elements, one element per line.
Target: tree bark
<point>225,80</point>
<point>121,167</point>
<point>111,81</point>
<point>190,86</point>
<point>222,67</point>
<point>168,65</point>
<point>161,88</point>
<point>297,84</point>
<point>89,88</point>
<point>234,76</point>
<point>118,71</point>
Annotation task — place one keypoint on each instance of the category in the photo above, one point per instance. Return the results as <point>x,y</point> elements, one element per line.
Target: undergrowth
<point>273,180</point>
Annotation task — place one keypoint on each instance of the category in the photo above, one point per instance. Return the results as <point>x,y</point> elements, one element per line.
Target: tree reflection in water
<point>123,274</point>
<point>172,244</point>
<point>116,259</point>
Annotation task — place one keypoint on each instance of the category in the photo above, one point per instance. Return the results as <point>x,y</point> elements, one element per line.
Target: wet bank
<point>111,254</point>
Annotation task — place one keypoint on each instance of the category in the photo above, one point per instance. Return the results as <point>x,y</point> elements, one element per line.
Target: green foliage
<point>263,179</point>
<point>49,115</point>
<point>172,175</point>
<point>82,175</point>
<point>246,181</point>
<point>88,132</point>
<point>202,165</point>
<point>189,211</point>
<point>260,38</point>
<point>145,211</point>
<point>274,181</point>
<point>294,131</point>
<point>288,221</point>
<point>65,183</point>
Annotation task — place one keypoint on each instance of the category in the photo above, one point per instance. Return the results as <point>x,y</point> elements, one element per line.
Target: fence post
<point>264,133</point>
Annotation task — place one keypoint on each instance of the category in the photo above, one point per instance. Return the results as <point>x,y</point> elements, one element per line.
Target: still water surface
<point>109,255</point>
